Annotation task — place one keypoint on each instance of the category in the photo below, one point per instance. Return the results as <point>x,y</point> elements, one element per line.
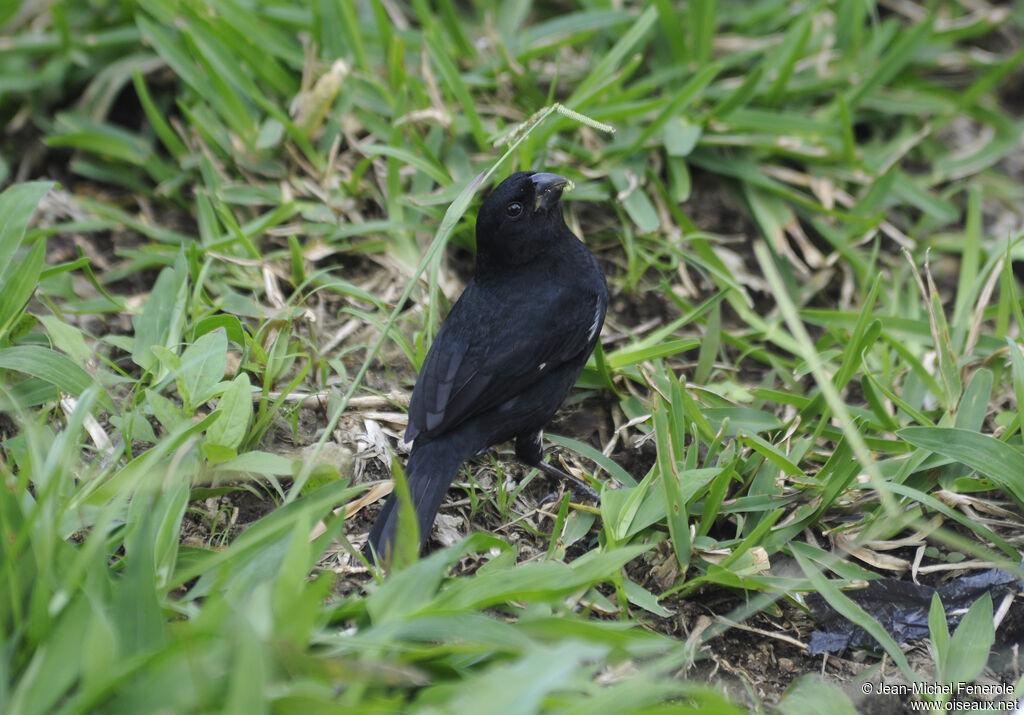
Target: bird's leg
<point>530,450</point>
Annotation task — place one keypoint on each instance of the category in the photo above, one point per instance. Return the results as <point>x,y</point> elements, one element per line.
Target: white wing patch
<point>541,366</point>
<point>597,321</point>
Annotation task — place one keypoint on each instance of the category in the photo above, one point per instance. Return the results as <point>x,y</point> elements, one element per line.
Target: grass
<point>809,217</point>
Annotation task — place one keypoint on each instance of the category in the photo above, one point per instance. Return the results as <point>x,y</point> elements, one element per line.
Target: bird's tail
<point>430,471</point>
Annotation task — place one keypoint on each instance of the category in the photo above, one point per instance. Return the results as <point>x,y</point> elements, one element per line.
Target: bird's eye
<point>514,209</point>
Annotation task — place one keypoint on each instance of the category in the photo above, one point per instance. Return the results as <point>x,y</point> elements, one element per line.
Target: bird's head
<point>519,217</point>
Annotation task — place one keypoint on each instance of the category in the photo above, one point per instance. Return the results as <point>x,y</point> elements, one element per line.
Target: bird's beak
<point>548,189</point>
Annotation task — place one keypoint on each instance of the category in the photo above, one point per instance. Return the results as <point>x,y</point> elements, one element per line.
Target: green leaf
<point>235,408</point>
<point>642,598</point>
<point>202,366</point>
<point>1017,360</point>
<point>265,532</point>
<point>630,510</point>
<point>631,355</point>
<point>52,668</point>
<point>900,54</point>
<point>585,450</point>
<point>949,370</point>
<point>167,413</point>
<point>17,204</point>
<point>68,339</point>
<point>681,136</point>
<point>854,613</point>
<point>970,413</point>
<point>410,158</point>
<point>810,696</point>
<point>134,426</point>
<point>168,359</point>
<point>156,118</point>
<point>256,462</point>
<point>675,504</point>
<point>739,97</point>
<point>406,544</point>
<point>218,453</point>
<point>440,52</point>
<point>997,460</point>
<point>539,581</point>
<point>741,420</point>
<point>153,325</point>
<point>610,60</point>
<point>20,286</point>
<point>168,514</point>
<point>636,202</point>
<point>938,630</point>
<point>107,140</point>
<point>519,687</point>
<point>408,591</point>
<point>51,366</point>
<point>971,644</point>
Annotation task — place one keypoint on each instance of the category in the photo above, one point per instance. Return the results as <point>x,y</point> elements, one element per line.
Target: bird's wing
<point>491,348</point>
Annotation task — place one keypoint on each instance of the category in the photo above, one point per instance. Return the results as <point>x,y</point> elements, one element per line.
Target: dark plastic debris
<point>901,607</point>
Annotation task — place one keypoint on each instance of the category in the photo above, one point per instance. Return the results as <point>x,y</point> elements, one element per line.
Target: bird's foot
<point>577,486</point>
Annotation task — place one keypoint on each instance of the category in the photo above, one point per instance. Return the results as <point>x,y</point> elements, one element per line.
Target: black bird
<point>509,351</point>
